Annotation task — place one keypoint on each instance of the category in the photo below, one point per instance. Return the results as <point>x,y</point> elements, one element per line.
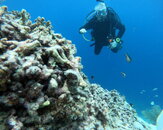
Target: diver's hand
<point>83,30</point>
<point>113,44</point>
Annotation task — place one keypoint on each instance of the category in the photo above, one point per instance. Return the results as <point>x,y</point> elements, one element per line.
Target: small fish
<point>92,77</point>
<point>132,105</point>
<point>128,58</point>
<point>142,91</point>
<point>152,103</point>
<point>154,89</point>
<point>123,74</point>
<point>156,96</point>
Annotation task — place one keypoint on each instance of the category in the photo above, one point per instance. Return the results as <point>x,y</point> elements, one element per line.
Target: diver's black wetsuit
<point>104,30</point>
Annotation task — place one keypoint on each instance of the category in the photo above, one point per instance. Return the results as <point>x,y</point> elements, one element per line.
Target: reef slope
<point>42,86</point>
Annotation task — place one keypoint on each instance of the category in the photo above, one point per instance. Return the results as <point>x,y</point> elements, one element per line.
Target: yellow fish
<point>128,58</point>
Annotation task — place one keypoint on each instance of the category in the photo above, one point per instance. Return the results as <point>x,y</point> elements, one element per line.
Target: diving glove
<point>113,44</point>
<point>83,30</point>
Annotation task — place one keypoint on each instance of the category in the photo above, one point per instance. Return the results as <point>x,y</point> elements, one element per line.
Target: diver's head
<point>101,11</point>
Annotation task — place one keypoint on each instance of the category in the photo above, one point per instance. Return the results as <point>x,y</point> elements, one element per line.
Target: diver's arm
<point>88,25</point>
<point>121,29</point>
<point>83,29</point>
<point>117,24</point>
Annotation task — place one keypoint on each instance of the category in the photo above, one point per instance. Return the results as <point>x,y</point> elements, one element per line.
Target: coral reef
<point>42,85</point>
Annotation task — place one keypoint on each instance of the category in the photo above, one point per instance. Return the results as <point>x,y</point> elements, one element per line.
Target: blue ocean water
<point>143,41</point>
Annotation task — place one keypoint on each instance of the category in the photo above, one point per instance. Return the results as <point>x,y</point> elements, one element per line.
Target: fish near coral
<point>92,77</point>
<point>3,9</point>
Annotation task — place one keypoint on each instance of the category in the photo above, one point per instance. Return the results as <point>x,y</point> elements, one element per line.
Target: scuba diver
<point>104,25</point>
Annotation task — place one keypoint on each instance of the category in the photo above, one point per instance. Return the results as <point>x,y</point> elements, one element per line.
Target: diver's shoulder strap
<point>114,13</point>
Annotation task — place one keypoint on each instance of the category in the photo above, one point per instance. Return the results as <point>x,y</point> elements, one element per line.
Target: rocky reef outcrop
<point>42,86</point>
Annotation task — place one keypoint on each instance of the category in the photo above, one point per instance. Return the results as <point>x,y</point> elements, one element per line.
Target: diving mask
<point>101,11</point>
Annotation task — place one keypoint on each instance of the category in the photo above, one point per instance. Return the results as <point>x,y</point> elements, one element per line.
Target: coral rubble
<point>42,85</point>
